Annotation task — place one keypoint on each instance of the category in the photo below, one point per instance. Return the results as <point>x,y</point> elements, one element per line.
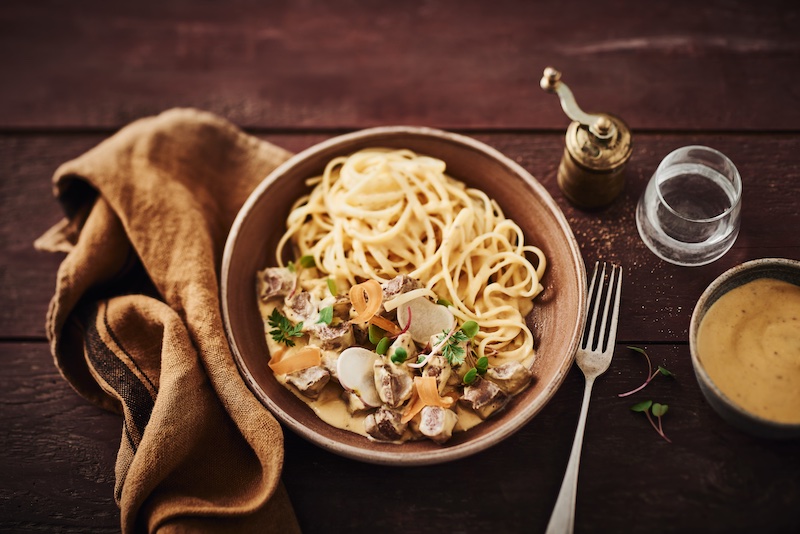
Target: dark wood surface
<point>720,73</point>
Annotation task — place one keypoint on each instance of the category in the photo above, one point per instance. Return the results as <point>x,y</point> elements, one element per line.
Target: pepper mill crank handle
<point>599,125</point>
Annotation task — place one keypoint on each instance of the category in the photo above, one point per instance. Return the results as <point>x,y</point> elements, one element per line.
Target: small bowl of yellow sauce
<point>745,345</point>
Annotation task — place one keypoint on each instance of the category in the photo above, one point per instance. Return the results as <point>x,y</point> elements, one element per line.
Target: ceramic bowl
<point>557,318</point>
<point>781,269</point>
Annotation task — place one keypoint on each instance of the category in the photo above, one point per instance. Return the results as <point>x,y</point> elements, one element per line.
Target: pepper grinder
<point>597,148</point>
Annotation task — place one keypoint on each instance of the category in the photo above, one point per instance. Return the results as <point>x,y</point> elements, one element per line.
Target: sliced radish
<point>428,319</point>
<point>355,371</point>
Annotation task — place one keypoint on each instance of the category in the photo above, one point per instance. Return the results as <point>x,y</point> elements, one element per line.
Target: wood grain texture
<point>723,73</point>
<point>57,451</point>
<point>57,456</point>
<point>448,63</point>
<point>658,298</point>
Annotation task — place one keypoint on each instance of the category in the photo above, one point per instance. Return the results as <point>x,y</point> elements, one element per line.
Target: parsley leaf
<point>283,331</point>
<point>453,351</point>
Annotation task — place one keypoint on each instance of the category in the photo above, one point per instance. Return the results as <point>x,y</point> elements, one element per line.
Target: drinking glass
<point>689,213</point>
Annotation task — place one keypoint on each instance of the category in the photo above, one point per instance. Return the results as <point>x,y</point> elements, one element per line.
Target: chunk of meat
<point>398,285</point>
<point>385,424</point>
<point>437,423</point>
<point>275,282</point>
<point>512,377</point>
<point>438,367</point>
<point>331,337</point>
<point>309,381</point>
<point>393,382</point>
<point>299,307</point>
<point>484,397</point>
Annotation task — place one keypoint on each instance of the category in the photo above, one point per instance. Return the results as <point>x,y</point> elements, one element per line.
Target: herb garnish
<point>482,365</point>
<point>470,328</point>
<point>375,334</point>
<point>453,351</point>
<point>443,302</point>
<point>332,286</point>
<point>658,410</point>
<point>308,261</point>
<point>399,356</point>
<point>383,346</point>
<point>283,330</point>
<point>471,376</point>
<point>650,373</point>
<point>326,315</point>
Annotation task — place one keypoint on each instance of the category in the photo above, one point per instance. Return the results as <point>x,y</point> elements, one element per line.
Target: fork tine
<point>615,290</point>
<point>595,292</point>
<point>612,338</point>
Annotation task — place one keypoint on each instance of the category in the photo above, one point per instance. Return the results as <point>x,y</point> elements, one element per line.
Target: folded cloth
<point>135,324</point>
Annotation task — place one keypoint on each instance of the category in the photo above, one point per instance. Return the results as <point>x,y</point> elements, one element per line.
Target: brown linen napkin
<point>135,324</point>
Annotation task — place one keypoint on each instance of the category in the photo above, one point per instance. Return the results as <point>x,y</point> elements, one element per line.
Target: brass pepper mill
<point>597,148</point>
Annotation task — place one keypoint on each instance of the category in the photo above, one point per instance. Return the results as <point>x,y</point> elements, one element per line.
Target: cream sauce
<point>329,405</point>
<point>749,343</point>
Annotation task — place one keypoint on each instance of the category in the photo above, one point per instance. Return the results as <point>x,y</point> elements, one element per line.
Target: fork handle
<point>562,520</point>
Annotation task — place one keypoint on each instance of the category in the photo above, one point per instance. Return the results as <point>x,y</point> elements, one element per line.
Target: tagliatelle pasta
<point>380,213</point>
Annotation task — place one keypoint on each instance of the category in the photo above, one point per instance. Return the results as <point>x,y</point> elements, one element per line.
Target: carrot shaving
<point>385,324</point>
<point>414,406</point>
<point>366,299</point>
<point>308,356</point>
<point>426,393</point>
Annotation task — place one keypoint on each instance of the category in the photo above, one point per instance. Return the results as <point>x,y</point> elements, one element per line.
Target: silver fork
<point>593,357</point>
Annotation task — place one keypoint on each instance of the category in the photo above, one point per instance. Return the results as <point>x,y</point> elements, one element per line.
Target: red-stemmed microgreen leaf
<point>650,373</point>
<point>665,372</point>
<point>658,410</point>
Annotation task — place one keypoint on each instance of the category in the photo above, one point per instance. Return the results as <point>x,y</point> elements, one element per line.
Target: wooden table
<point>723,74</point>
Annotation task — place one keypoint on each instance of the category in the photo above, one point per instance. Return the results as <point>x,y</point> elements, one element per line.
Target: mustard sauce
<point>749,343</point>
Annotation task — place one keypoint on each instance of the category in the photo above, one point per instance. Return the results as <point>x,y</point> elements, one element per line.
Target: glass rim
<point>735,179</point>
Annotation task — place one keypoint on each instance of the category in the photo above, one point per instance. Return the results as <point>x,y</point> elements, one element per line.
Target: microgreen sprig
<point>308,261</point>
<point>283,331</point>
<point>332,286</point>
<point>470,376</point>
<point>326,315</point>
<point>650,373</point>
<point>383,346</point>
<point>658,410</point>
<point>399,356</point>
<point>375,334</point>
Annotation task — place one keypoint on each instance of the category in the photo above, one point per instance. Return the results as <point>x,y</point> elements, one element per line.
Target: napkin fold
<point>135,324</point>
